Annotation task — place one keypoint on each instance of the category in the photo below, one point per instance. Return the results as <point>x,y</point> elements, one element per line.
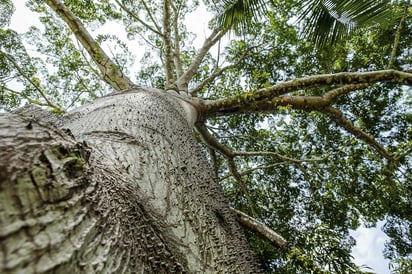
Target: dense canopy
<point>308,128</point>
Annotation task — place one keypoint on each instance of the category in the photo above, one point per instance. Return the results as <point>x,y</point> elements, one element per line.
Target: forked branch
<point>267,99</point>
<point>214,37</point>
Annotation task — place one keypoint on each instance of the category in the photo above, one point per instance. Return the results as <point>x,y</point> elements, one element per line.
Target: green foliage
<point>238,14</point>
<point>321,180</point>
<point>329,21</point>
<point>6,11</point>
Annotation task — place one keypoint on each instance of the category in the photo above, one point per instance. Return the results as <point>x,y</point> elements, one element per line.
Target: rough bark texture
<point>126,189</point>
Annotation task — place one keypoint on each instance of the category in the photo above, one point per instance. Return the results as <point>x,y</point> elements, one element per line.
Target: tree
<point>111,178</point>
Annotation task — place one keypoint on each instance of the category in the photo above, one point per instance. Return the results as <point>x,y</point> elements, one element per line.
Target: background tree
<point>308,138</point>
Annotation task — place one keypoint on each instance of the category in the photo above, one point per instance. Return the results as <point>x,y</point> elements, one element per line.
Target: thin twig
<point>149,12</point>
<point>274,154</point>
<point>35,85</point>
<point>135,17</point>
<point>250,170</point>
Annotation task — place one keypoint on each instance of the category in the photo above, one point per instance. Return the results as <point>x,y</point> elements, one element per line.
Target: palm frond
<point>237,15</point>
<point>328,21</point>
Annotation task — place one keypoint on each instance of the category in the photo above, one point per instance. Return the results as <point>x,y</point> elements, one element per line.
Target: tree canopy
<point>308,128</point>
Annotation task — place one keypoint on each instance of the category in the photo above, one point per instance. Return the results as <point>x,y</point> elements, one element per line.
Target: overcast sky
<point>370,242</point>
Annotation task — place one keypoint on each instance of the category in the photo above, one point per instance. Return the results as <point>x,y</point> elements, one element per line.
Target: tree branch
<point>111,73</point>
<point>260,228</point>
<point>36,86</point>
<point>178,62</point>
<point>218,72</point>
<point>233,169</point>
<point>213,143</point>
<point>183,80</point>
<point>274,154</point>
<point>168,46</point>
<point>151,16</point>
<point>338,116</point>
<point>209,79</point>
<point>398,36</point>
<point>267,99</point>
<point>250,170</point>
<point>135,17</point>
<point>332,94</point>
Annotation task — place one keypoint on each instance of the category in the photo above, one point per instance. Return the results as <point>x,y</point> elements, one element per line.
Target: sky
<point>370,241</point>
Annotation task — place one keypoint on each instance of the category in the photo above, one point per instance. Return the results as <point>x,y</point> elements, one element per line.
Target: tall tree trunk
<point>117,186</point>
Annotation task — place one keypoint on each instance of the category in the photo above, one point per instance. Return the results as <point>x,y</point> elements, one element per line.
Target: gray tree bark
<point>117,186</point>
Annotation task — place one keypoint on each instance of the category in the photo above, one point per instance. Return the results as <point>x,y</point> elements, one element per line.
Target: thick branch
<point>338,116</point>
<point>176,53</point>
<point>111,73</point>
<point>332,94</point>
<point>183,80</point>
<point>260,228</point>
<point>168,46</point>
<point>267,99</point>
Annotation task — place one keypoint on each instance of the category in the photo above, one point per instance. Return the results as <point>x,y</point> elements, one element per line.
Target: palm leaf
<point>328,21</point>
<point>239,14</point>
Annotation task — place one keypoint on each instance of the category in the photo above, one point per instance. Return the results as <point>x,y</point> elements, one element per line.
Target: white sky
<point>370,241</point>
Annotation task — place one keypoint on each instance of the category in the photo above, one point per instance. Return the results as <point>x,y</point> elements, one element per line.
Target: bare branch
<point>183,80</point>
<point>111,73</point>
<point>260,228</point>
<point>233,169</point>
<point>400,156</point>
<point>338,116</point>
<point>135,17</point>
